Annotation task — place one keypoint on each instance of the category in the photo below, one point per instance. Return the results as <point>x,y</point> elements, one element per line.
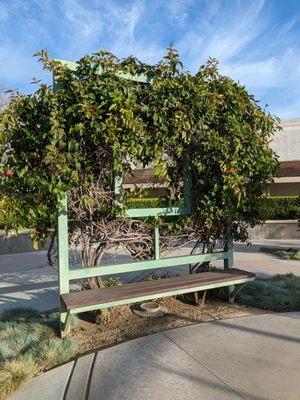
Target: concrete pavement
<point>251,358</point>
<point>27,281</point>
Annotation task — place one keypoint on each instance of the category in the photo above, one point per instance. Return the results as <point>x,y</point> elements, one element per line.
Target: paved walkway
<point>27,281</point>
<point>253,358</point>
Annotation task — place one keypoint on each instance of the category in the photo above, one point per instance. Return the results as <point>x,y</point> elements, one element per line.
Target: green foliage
<point>279,208</point>
<point>284,253</point>
<point>97,121</point>
<point>28,345</point>
<point>112,282</point>
<point>155,277</point>
<point>150,202</point>
<point>280,293</point>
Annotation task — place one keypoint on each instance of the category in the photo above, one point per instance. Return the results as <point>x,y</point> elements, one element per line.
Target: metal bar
<point>237,290</point>
<point>158,296</point>
<point>228,262</point>
<point>156,212</point>
<point>118,186</point>
<point>62,245</point>
<point>142,78</point>
<point>66,328</point>
<point>63,257</point>
<point>165,211</point>
<point>80,273</point>
<point>156,243</point>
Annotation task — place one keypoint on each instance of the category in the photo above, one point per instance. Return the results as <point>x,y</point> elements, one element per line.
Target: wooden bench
<point>152,289</point>
<point>94,299</point>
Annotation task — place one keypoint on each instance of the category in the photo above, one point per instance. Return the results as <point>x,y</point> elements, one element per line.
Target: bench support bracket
<point>233,291</point>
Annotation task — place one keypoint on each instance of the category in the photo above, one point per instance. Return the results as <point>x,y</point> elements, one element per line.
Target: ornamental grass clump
<point>14,373</point>
<point>284,253</point>
<point>29,345</point>
<point>280,293</point>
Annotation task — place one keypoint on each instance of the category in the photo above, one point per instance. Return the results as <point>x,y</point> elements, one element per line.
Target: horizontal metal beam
<point>80,273</point>
<point>136,78</point>
<point>156,212</point>
<point>160,295</point>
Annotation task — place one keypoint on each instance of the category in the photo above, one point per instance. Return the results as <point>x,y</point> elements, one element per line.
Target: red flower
<point>231,170</point>
<point>9,172</point>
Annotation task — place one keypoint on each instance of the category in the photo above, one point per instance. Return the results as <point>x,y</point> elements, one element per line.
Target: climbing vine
<point>73,138</point>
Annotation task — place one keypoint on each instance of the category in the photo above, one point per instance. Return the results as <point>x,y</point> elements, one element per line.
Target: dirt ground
<point>124,325</point>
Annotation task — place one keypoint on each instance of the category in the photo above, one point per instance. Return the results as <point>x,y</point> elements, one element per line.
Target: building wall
<point>287,142</point>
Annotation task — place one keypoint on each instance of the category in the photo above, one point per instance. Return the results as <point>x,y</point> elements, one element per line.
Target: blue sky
<point>256,41</point>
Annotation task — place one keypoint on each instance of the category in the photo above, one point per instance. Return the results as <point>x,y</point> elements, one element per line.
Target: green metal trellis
<point>66,275</point>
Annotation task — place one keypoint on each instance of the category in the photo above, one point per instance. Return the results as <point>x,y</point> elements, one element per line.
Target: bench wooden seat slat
<point>137,290</point>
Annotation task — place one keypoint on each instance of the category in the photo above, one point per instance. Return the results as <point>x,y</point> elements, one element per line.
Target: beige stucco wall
<point>287,142</point>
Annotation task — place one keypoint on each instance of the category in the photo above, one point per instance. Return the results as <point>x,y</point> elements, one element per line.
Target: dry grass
<point>124,325</point>
<point>14,373</point>
<point>29,344</point>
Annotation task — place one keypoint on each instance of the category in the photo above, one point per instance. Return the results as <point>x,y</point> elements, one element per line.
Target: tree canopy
<point>73,138</point>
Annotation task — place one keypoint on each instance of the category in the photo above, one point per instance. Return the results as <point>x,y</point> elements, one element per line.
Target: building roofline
<point>290,122</point>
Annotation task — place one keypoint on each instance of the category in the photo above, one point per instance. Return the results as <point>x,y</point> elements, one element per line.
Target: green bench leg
<point>65,320</point>
<point>233,291</point>
<point>228,262</point>
<point>231,294</point>
<point>197,298</point>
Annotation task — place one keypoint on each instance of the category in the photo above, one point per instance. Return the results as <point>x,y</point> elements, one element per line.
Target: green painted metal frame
<point>63,262</point>
<point>142,78</point>
<point>80,273</point>
<point>118,178</point>
<point>160,211</point>
<point>65,275</point>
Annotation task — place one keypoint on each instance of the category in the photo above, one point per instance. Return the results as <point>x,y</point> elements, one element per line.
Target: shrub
<point>96,124</point>
<point>285,253</point>
<point>279,208</point>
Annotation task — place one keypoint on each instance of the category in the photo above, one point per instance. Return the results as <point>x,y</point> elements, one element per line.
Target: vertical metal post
<point>228,262</point>
<point>118,179</point>
<point>156,243</point>
<point>118,186</point>
<point>63,258</point>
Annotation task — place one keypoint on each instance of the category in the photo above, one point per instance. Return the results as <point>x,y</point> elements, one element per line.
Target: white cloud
<point>275,71</point>
<point>179,9</point>
<point>251,46</point>
<point>222,33</point>
<point>82,22</point>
